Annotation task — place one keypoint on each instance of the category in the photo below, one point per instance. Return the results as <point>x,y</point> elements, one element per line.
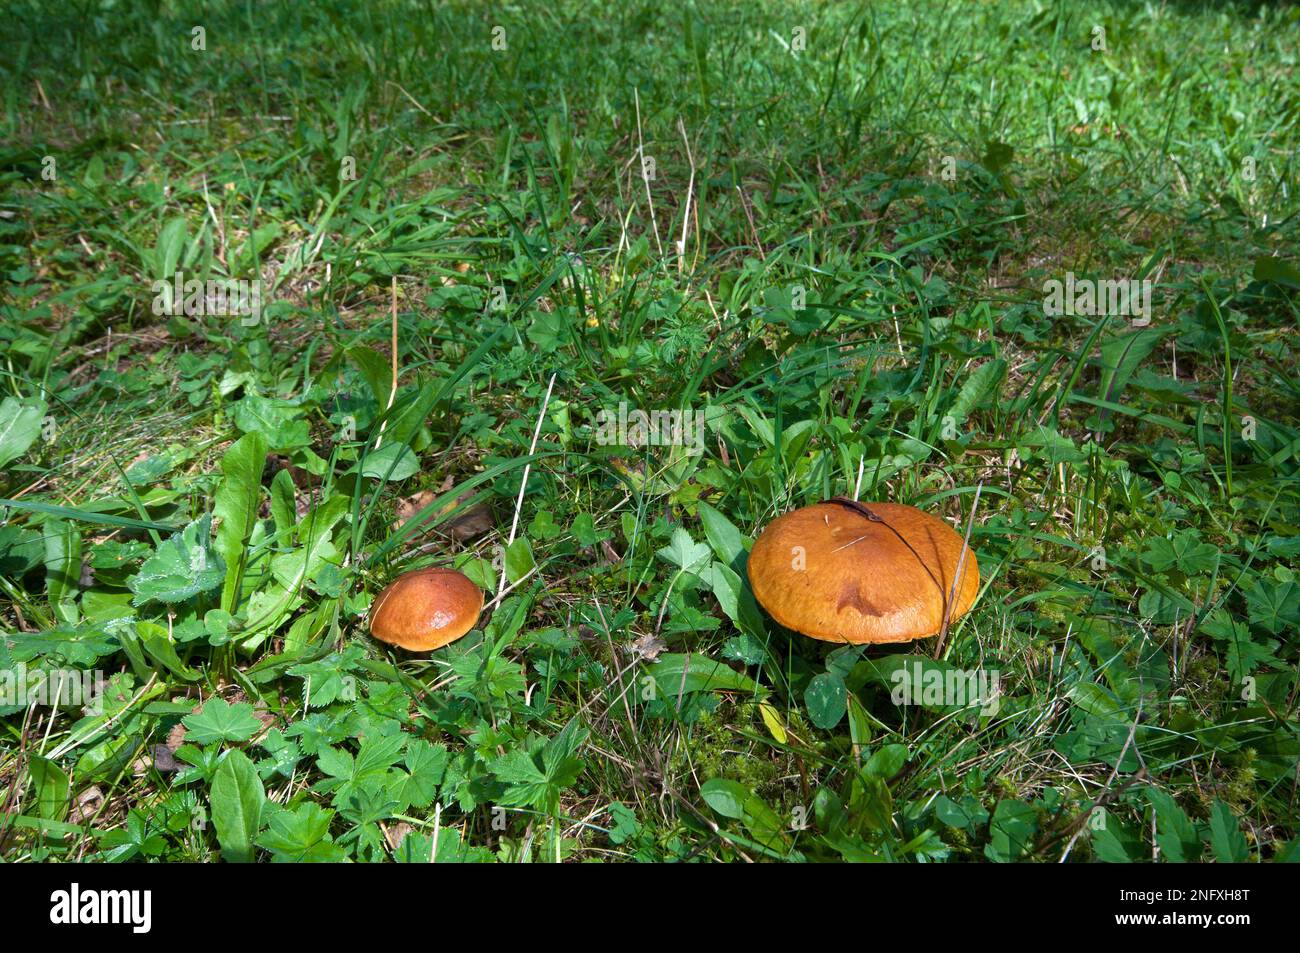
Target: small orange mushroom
<point>425,609</point>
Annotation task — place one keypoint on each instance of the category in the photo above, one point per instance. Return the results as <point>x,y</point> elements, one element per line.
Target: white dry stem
<point>957,576</point>
<point>392,394</point>
<point>690,190</point>
<point>217,224</point>
<point>523,485</point>
<point>54,711</point>
<point>437,829</point>
<point>640,151</point>
<point>753,229</point>
<point>502,593</point>
<point>413,100</point>
<point>1097,801</point>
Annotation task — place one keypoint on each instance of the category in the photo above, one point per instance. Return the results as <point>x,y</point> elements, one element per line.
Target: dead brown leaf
<point>395,833</point>
<point>470,523</point>
<point>86,805</point>
<point>647,646</point>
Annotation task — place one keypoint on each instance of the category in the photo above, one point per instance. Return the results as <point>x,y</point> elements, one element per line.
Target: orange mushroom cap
<point>843,571</point>
<point>425,609</point>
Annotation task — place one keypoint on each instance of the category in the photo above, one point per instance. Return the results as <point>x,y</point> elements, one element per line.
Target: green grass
<point>840,261</point>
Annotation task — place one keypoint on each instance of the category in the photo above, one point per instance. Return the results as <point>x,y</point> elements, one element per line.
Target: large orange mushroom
<point>425,609</point>
<point>843,571</point>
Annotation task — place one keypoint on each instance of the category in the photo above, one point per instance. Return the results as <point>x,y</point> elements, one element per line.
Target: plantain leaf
<point>50,786</point>
<point>722,534</point>
<point>392,461</point>
<point>20,425</point>
<point>62,569</point>
<point>236,505</point>
<point>982,384</point>
<point>237,800</point>
<point>680,674</point>
<point>1120,359</point>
